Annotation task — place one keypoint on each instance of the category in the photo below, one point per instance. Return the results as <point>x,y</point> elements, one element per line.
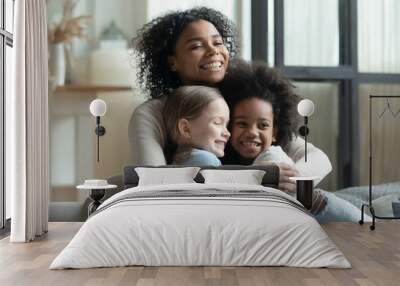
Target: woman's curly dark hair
<point>157,39</point>
<point>246,80</point>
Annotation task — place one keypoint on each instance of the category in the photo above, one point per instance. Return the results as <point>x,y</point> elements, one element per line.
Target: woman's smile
<point>213,66</point>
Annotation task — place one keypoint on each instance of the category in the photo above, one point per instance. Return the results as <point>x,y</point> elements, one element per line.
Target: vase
<point>57,64</point>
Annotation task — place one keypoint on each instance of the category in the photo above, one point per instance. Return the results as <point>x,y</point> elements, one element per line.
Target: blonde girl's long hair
<point>186,102</point>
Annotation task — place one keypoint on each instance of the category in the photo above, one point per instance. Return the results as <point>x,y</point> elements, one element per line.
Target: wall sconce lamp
<point>305,185</point>
<point>305,108</point>
<point>98,108</point>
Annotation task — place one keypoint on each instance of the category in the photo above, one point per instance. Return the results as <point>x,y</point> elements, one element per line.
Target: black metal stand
<point>95,195</point>
<point>100,131</point>
<point>303,131</point>
<point>369,205</point>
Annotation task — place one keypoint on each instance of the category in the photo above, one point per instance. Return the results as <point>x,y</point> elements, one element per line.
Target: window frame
<point>6,39</point>
<point>346,73</point>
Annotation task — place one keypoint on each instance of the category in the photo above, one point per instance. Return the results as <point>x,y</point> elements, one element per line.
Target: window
<point>314,32</point>
<point>337,52</point>
<point>6,44</point>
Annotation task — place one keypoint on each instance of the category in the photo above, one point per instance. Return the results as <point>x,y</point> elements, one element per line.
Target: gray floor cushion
<point>382,197</point>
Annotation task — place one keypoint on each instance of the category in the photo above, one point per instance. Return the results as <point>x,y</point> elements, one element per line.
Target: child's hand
<point>285,172</point>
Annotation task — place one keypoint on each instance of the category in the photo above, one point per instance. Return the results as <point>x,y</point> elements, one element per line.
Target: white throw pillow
<point>164,176</point>
<point>248,177</point>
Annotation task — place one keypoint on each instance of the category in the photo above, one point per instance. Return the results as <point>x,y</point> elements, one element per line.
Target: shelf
<point>91,88</point>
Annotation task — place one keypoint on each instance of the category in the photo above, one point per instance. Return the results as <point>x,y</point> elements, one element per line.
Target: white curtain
<point>379,36</point>
<point>311,32</point>
<point>27,124</point>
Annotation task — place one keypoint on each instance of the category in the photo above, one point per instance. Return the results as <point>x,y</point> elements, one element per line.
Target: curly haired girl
<point>263,114</point>
<point>263,122</point>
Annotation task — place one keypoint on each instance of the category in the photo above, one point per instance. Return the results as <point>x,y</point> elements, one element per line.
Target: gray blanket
<point>201,194</point>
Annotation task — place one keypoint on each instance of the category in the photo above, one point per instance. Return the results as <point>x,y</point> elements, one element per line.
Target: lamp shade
<point>98,107</point>
<point>305,107</point>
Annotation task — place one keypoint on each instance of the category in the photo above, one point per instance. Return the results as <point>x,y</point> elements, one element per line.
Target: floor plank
<point>374,255</point>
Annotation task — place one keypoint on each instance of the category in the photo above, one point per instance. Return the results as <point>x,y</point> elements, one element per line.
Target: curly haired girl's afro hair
<point>248,80</point>
<point>157,39</point>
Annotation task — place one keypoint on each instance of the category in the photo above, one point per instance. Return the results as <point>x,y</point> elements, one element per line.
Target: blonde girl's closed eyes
<point>196,118</point>
<point>209,131</point>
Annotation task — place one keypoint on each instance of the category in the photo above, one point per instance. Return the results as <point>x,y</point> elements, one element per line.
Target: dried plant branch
<point>70,27</point>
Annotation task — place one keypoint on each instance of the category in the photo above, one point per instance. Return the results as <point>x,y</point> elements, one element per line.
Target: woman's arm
<point>147,133</point>
<point>318,164</point>
<point>274,154</point>
<point>287,169</point>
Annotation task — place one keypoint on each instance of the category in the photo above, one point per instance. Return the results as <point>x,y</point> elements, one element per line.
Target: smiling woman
<point>191,47</point>
<point>199,41</point>
<point>197,50</point>
<point>200,54</point>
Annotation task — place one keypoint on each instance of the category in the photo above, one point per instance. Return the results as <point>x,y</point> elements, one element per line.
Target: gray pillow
<point>270,179</point>
<point>383,205</point>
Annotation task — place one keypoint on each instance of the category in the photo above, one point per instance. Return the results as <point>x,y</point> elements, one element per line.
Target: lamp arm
<point>305,138</point>
<point>98,137</point>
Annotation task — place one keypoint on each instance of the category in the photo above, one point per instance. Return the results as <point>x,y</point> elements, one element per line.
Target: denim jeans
<point>338,209</point>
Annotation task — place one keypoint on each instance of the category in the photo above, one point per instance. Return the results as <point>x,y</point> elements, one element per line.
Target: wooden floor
<point>374,255</point>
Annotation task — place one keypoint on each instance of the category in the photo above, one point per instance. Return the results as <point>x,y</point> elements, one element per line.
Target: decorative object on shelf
<point>60,38</point>
<point>97,191</point>
<point>109,64</point>
<point>57,63</point>
<point>98,108</point>
<point>395,205</point>
<point>305,185</point>
<point>113,37</point>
